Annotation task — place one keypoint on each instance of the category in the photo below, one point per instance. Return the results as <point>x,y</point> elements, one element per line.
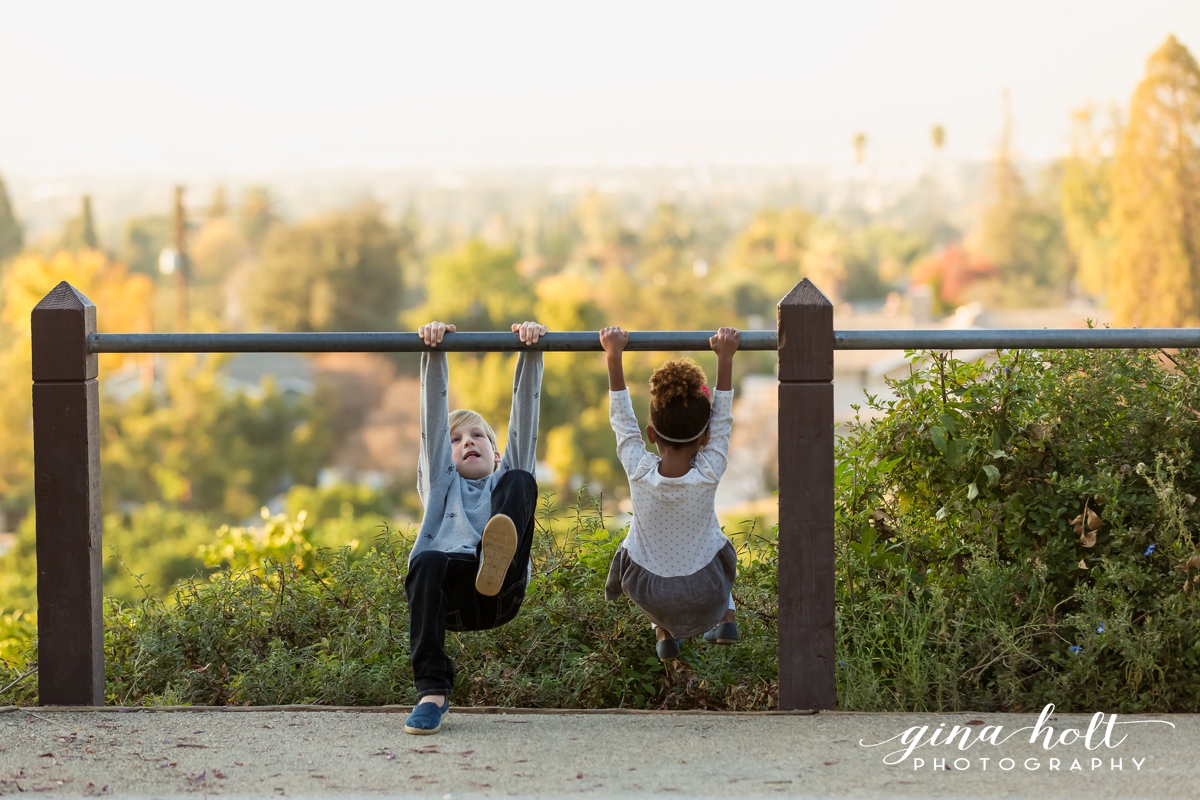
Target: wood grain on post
<point>66,455</point>
<point>806,585</point>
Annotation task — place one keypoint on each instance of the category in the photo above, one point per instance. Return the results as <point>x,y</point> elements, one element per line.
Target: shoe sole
<point>496,552</point>
<point>422,731</point>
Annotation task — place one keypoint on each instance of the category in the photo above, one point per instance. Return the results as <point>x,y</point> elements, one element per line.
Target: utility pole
<point>181,264</point>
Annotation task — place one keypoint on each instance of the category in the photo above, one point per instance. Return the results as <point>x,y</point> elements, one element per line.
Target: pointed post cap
<point>805,293</point>
<point>805,325</point>
<point>61,323</point>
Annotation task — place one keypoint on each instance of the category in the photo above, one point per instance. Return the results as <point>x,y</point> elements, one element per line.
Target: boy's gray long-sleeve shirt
<point>456,509</point>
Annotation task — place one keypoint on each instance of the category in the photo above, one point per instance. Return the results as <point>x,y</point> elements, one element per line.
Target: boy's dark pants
<point>441,589</point>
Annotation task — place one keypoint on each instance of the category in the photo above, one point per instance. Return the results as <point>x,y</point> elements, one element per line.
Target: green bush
<point>152,547</point>
<point>17,634</point>
<point>285,622</point>
<point>1023,532</point>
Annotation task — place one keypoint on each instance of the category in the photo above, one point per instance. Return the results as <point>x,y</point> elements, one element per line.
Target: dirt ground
<point>152,753</point>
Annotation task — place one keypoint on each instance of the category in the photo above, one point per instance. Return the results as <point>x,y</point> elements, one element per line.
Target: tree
<point>929,218</point>
<point>574,413</point>
<point>476,287</point>
<point>937,135</point>
<point>1020,234</point>
<point>145,238</point>
<point>598,219</point>
<point>218,209</point>
<point>1087,201</point>
<point>122,301</point>
<point>339,272</point>
<point>766,257</point>
<point>192,444</point>
<point>666,230</point>
<point>997,238</point>
<point>80,232</point>
<point>860,147</point>
<point>216,251</point>
<point>878,257</point>
<point>1156,197</point>
<point>257,215</point>
<point>824,259</point>
<point>11,235</point>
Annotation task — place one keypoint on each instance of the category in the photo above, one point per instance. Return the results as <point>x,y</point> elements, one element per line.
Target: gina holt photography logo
<point>1058,749</point>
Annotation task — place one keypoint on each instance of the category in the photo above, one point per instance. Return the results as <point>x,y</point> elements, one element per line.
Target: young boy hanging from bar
<point>469,566</point>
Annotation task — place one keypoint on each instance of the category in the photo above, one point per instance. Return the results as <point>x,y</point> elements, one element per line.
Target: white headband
<point>680,441</point>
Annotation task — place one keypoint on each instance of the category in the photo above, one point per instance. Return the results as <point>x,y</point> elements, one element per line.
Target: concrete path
<point>358,754</point>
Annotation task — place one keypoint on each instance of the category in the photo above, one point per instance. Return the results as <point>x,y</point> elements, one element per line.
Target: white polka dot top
<point>675,529</point>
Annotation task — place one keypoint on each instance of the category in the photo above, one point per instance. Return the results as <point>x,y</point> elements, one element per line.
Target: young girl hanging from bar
<point>676,564</point>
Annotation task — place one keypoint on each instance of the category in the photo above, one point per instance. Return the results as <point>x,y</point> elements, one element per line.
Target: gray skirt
<point>686,605</point>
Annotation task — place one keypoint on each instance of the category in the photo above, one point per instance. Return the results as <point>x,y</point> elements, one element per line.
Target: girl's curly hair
<point>679,407</point>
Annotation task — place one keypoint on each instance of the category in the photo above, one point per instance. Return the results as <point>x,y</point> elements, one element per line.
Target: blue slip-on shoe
<point>426,718</point>
<point>724,633</point>
<point>496,551</point>
<point>668,649</point>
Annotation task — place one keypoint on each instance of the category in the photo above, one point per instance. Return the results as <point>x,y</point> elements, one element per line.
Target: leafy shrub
<point>152,547</point>
<point>17,632</point>
<point>285,622</point>
<point>1023,532</point>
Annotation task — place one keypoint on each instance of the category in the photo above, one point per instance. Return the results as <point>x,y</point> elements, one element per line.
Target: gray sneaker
<point>668,649</point>
<point>724,633</point>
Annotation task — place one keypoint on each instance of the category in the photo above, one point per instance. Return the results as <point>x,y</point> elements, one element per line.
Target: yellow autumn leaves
<point>122,300</point>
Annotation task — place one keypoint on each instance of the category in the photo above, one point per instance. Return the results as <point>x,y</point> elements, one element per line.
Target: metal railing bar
<point>1017,339</point>
<point>572,341</point>
<point>589,341</point>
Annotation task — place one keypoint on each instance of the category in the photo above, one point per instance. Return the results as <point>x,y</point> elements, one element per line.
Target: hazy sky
<point>169,88</point>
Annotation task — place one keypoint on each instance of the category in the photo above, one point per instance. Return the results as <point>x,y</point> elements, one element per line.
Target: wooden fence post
<point>806,628</point>
<point>66,457</point>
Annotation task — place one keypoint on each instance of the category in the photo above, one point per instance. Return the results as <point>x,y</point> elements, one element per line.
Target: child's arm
<point>520,452</point>
<point>630,447</point>
<point>725,344</point>
<point>720,428</point>
<point>435,463</point>
<point>613,340</point>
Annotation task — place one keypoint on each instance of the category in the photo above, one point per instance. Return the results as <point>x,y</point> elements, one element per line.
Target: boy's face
<point>474,456</point>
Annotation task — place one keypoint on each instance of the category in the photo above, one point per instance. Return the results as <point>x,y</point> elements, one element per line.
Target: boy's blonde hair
<point>465,416</point>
